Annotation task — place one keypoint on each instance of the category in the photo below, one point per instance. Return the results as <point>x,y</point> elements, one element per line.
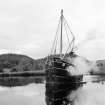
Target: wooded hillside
<point>16,62</point>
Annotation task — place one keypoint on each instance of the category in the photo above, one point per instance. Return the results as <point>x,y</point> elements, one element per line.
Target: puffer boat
<point>59,82</point>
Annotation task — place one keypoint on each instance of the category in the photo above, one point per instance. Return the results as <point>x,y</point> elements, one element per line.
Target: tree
<point>26,64</point>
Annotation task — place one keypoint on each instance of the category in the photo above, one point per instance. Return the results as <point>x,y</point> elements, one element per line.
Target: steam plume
<point>90,93</point>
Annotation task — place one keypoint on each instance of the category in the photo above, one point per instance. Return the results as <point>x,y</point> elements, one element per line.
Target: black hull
<point>59,83</point>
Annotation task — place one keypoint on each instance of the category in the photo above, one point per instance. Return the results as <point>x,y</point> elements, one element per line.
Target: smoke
<point>89,94</point>
<point>92,46</point>
<point>93,92</point>
<point>81,65</point>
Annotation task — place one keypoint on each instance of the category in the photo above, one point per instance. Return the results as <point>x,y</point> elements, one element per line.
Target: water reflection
<point>32,94</point>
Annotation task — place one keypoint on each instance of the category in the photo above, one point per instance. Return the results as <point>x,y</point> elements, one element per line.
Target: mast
<point>61,43</point>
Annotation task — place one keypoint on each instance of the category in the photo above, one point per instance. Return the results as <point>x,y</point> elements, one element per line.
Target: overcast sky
<point>29,26</point>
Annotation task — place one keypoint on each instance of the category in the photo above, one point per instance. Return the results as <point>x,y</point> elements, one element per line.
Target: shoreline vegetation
<point>19,70</point>
<point>21,81</point>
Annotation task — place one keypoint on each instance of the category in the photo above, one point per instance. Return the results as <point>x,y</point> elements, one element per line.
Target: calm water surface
<point>33,94</point>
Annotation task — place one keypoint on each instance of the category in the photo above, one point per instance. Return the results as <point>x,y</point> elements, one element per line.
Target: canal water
<point>32,94</point>
<point>91,93</point>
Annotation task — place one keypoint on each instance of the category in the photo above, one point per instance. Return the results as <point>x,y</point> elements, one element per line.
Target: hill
<point>16,62</point>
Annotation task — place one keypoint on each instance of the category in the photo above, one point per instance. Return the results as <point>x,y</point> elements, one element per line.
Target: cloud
<point>2,51</point>
<point>5,51</point>
<point>30,49</point>
<point>93,48</point>
<point>29,46</point>
<point>29,21</point>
